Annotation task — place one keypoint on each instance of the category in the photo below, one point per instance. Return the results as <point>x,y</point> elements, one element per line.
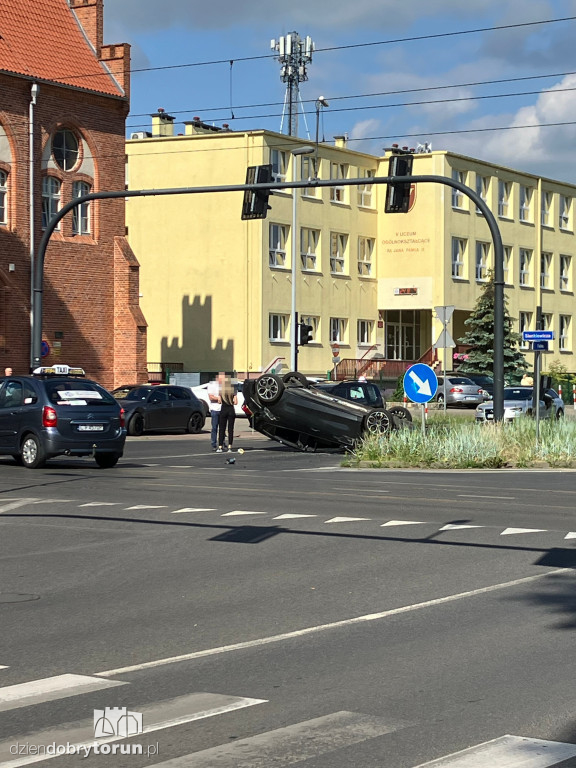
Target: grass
<point>451,443</point>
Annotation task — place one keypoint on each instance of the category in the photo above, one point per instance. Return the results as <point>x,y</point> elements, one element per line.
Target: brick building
<point>64,98</point>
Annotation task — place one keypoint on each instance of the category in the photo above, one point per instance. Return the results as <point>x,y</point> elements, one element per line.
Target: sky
<point>406,72</point>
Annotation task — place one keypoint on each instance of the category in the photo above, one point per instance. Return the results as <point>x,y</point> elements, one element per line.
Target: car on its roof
<point>57,411</point>
<point>363,392</point>
<point>518,402</point>
<point>292,411</point>
<point>160,408</point>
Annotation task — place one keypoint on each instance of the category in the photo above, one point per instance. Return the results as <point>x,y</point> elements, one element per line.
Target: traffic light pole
<point>296,341</point>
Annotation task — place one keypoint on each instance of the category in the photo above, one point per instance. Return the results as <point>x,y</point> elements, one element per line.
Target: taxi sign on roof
<point>58,370</point>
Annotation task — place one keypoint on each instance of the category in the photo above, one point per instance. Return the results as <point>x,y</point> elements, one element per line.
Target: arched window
<point>65,149</point>
<point>50,199</point>
<point>3,197</point>
<point>81,214</point>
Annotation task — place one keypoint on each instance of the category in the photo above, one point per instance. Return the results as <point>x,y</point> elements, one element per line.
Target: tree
<point>480,337</point>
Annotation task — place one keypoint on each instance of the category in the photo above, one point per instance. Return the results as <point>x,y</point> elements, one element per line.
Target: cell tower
<point>294,54</point>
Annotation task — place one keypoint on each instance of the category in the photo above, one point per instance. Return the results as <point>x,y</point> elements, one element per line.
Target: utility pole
<point>294,54</point>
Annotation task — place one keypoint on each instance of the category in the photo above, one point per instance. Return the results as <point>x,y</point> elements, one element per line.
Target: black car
<point>294,412</point>
<point>57,412</point>
<point>160,408</point>
<point>363,392</point>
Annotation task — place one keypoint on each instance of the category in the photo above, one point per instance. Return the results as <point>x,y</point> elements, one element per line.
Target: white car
<point>518,402</point>
<point>201,393</point>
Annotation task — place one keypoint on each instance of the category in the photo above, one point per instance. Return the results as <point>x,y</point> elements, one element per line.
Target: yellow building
<point>217,291</point>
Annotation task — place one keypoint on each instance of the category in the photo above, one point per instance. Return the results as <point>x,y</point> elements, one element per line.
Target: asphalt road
<point>282,610</point>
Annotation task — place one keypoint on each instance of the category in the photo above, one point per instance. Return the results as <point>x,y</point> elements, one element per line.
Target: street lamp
<point>320,102</point>
<point>295,246</point>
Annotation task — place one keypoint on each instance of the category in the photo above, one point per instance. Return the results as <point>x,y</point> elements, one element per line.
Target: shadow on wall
<point>194,348</point>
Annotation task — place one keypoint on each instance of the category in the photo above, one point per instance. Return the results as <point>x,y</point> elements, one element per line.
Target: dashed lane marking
<point>50,689</point>
<point>192,509</point>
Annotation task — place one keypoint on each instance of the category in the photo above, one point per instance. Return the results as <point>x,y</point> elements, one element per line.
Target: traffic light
<point>305,334</point>
<point>398,195</point>
<point>255,204</point>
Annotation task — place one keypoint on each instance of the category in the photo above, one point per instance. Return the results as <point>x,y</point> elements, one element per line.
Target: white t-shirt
<point>214,389</point>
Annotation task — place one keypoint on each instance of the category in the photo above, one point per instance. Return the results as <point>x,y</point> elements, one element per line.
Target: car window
<point>29,394</point>
<point>138,393</point>
<point>356,392</point>
<point>552,393</point>
<point>122,392</point>
<point>462,380</point>
<point>11,394</point>
<point>517,393</point>
<point>373,394</point>
<point>77,392</point>
<point>158,396</point>
<point>178,393</point>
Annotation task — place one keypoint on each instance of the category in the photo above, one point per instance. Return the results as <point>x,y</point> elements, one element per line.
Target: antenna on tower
<point>294,54</point>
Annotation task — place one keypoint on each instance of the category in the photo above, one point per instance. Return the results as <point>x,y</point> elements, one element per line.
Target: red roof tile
<point>42,38</point>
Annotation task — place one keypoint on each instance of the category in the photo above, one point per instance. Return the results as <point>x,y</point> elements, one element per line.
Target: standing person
<point>228,400</point>
<point>7,371</point>
<point>214,390</point>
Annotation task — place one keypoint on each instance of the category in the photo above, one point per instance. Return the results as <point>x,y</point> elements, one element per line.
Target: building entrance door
<point>402,334</point>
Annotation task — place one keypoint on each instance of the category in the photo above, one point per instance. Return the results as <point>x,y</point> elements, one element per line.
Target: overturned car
<point>291,410</point>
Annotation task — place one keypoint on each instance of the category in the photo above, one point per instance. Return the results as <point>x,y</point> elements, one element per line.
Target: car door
<point>11,399</point>
<point>181,406</point>
<point>157,414</point>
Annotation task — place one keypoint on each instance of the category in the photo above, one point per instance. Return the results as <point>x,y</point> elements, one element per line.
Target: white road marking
<point>512,531</point>
<point>571,535</point>
<point>146,506</point>
<point>402,522</point>
<point>193,509</point>
<point>290,516</point>
<point>345,519</point>
<point>2,666</point>
<point>455,527</point>
<point>477,496</point>
<point>292,744</point>
<point>101,504</point>
<point>15,504</point>
<point>49,689</point>
<point>53,501</point>
<point>256,643</point>
<point>180,466</point>
<point>156,717</point>
<point>242,512</point>
<point>508,752</point>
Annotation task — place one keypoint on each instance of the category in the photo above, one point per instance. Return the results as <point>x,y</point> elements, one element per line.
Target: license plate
<point>490,416</point>
<point>472,397</point>
<point>91,428</point>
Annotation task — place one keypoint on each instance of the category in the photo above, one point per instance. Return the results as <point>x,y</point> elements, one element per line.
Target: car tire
<point>32,453</point>
<point>293,377</point>
<point>106,460</point>
<point>269,388</point>
<point>401,413</point>
<point>559,414</point>
<point>136,425</point>
<point>379,422</point>
<point>195,423</point>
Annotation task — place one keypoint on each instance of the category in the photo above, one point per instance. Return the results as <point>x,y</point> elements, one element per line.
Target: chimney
<point>90,14</point>
<point>162,124</point>
<point>197,126</point>
<point>117,59</point>
<point>341,141</point>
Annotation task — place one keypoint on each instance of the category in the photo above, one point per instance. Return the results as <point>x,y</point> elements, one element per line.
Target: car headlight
<point>516,409</point>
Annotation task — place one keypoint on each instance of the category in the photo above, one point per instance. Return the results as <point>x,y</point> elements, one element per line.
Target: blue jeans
<point>215,415</point>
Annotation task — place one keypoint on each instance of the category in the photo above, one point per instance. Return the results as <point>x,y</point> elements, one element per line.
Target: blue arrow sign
<point>537,335</point>
<point>420,383</point>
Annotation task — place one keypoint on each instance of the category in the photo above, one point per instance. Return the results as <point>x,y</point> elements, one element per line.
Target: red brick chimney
<point>90,14</point>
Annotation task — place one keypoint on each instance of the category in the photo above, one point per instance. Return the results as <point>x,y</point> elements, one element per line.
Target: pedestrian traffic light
<point>305,334</point>
<point>398,195</point>
<point>255,204</point>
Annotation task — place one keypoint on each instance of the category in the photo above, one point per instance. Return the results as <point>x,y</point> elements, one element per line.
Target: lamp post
<point>295,246</point>
<point>320,102</point>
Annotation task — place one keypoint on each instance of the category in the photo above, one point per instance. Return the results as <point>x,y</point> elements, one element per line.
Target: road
<point>283,610</point>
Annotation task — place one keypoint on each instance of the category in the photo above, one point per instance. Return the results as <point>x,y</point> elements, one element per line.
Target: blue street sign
<point>45,349</point>
<point>420,383</point>
<point>540,346</point>
<point>537,335</point>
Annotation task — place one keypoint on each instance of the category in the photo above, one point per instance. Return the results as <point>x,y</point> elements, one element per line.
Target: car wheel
<point>378,422</point>
<point>195,423</point>
<point>293,377</point>
<point>32,452</point>
<point>136,425</point>
<point>559,413</point>
<point>401,413</point>
<point>269,388</point>
<point>107,460</point>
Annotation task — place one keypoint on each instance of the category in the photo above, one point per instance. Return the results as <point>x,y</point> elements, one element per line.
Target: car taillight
<point>49,417</point>
<point>456,389</point>
<point>122,417</point>
<point>480,391</point>
<point>246,410</point>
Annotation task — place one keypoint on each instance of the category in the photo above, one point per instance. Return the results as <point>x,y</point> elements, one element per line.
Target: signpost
<point>420,385</point>
<point>335,357</point>
<point>539,341</point>
<point>445,339</point>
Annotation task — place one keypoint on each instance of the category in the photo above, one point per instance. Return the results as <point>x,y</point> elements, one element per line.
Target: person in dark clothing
<point>227,415</point>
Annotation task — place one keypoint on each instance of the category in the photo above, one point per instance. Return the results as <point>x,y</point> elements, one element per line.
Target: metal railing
<point>378,368</point>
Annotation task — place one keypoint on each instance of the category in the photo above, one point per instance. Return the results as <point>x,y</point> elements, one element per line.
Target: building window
<point>546,321</point>
<point>508,269</point>
<point>482,251</point>
<point>525,262</point>
<point>338,171</point>
<point>279,161</point>
<point>3,197</point>
<point>278,325</point>
<point>565,212</point>
<point>65,149</point>
<point>457,196</point>
<point>525,200</point>
<point>308,172</point>
<point>504,191</point>
<point>365,330</point>
<point>81,214</point>
<point>565,322</point>
<point>546,209</point>
<point>525,323</point>
<point>565,273</point>
<point>338,243</point>
<point>314,321</point>
<point>337,329</point>
<point>545,263</point>
<point>308,247</point>
<point>458,253</point>
<point>482,188</point>
<point>365,251</point>
<point>365,190</point>
<point>278,234</point>
<point>50,199</point>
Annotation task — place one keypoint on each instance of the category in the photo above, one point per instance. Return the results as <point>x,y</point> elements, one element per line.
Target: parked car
<point>201,393</point>
<point>57,411</point>
<point>293,412</point>
<point>460,391</point>
<point>363,392</point>
<point>482,379</point>
<point>518,402</point>
<point>160,408</point>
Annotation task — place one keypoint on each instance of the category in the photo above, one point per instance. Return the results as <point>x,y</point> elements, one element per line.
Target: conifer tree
<point>480,337</point>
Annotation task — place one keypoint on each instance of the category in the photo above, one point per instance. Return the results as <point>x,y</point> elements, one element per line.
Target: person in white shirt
<point>214,392</point>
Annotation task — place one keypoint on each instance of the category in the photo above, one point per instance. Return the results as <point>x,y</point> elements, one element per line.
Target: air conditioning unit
<point>139,135</point>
